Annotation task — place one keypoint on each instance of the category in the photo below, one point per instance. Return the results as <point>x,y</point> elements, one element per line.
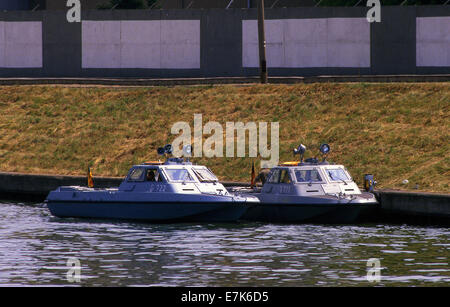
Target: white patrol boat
<point>170,191</point>
<point>310,191</point>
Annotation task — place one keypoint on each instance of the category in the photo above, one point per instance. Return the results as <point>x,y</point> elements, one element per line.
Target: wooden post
<point>262,42</point>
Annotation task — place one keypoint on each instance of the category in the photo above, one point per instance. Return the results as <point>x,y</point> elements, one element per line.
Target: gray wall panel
<point>62,45</point>
<point>221,44</point>
<point>393,41</point>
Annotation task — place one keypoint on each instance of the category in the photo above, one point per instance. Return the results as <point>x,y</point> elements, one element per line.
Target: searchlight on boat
<point>167,152</point>
<point>161,151</point>
<point>168,149</point>
<point>324,149</point>
<point>187,150</point>
<point>300,150</point>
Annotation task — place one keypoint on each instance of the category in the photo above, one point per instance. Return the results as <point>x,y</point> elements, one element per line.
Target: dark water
<point>35,247</point>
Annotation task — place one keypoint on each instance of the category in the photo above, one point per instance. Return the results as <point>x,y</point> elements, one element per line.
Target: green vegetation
<point>396,131</point>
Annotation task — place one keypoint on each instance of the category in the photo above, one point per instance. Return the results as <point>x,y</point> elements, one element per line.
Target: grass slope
<point>395,131</point>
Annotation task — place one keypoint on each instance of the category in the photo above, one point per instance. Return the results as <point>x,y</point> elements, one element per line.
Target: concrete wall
<point>216,42</point>
<point>407,207</point>
<point>415,203</point>
<point>41,185</point>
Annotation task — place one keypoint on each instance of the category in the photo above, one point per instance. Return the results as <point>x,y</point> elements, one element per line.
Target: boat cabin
<point>310,179</point>
<point>172,176</point>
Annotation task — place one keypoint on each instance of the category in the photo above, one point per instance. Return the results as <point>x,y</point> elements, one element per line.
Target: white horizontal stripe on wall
<point>171,44</point>
<point>20,44</point>
<point>320,42</point>
<point>433,41</point>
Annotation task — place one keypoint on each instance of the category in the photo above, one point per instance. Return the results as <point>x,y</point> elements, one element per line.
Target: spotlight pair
<point>168,149</point>
<point>300,150</point>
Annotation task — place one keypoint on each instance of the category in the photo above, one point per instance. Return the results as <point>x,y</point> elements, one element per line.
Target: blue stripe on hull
<point>151,212</point>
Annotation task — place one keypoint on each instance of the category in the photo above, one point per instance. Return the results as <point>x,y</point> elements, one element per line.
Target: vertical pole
<point>262,42</point>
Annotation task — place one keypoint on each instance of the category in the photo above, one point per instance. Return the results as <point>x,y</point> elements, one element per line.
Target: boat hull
<point>310,213</point>
<point>158,212</point>
<point>317,209</point>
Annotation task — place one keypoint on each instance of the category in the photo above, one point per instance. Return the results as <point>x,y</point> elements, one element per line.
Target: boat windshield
<point>205,175</point>
<point>136,174</point>
<point>274,176</point>
<point>337,174</point>
<point>285,177</point>
<point>178,174</point>
<point>310,175</point>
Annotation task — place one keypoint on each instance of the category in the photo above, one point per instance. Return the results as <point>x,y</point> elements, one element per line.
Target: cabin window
<point>178,175</point>
<point>153,175</point>
<point>274,176</point>
<point>285,177</point>
<point>205,175</point>
<point>337,174</point>
<point>311,175</point>
<point>136,174</point>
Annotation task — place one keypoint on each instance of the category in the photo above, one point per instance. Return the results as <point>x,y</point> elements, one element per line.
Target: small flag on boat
<point>90,179</point>
<point>253,175</point>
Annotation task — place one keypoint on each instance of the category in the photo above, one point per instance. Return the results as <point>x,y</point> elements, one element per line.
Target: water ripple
<point>35,247</point>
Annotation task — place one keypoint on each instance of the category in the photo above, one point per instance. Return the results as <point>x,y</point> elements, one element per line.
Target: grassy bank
<point>395,131</point>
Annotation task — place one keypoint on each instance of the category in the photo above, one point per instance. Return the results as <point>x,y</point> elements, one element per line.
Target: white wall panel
<point>250,43</point>
<point>180,43</point>
<point>2,44</point>
<point>433,41</point>
<point>21,44</point>
<point>141,44</point>
<point>306,42</point>
<point>319,42</point>
<point>274,41</point>
<point>348,42</point>
<point>100,44</point>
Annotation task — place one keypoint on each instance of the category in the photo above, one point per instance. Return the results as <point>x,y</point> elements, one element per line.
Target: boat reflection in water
<point>311,191</point>
<point>173,191</point>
